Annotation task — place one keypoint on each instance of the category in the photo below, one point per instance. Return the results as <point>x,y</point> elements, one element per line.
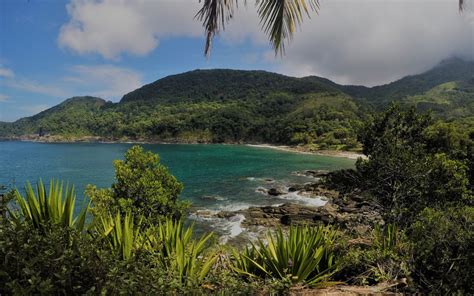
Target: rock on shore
<point>350,212</point>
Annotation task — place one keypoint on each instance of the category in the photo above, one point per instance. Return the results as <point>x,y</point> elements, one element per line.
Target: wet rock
<point>295,187</point>
<point>356,217</point>
<point>276,191</point>
<point>313,173</point>
<point>352,212</point>
<point>204,213</point>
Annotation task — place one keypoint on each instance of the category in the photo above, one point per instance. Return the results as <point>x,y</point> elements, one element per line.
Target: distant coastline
<point>306,150</point>
<point>95,139</point>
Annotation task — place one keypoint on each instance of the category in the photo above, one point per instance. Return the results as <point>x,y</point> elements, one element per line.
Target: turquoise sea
<point>215,177</point>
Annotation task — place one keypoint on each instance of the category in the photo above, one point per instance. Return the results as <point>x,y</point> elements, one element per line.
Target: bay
<point>215,177</point>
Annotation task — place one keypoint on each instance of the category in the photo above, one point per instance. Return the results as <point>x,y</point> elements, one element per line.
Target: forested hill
<point>251,106</point>
<point>222,84</point>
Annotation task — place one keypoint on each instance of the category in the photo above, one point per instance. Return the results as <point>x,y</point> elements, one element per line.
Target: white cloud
<point>34,109</point>
<point>372,42</point>
<point>105,81</point>
<point>36,87</point>
<point>113,27</point>
<point>351,41</point>
<point>3,98</point>
<point>5,72</point>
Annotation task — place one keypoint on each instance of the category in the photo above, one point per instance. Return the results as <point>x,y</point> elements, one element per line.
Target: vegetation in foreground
<point>133,241</point>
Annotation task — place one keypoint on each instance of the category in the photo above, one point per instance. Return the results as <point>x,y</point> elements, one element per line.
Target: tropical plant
<point>279,18</point>
<point>306,256</point>
<point>179,252</point>
<point>43,208</point>
<point>123,235</point>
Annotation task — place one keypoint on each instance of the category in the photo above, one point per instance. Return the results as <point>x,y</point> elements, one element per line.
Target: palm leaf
<point>214,15</point>
<point>280,18</point>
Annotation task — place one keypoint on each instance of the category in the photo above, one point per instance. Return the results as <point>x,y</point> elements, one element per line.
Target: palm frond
<point>280,19</point>
<point>214,15</point>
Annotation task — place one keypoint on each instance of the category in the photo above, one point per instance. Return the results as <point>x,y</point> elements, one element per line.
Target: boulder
<point>276,191</point>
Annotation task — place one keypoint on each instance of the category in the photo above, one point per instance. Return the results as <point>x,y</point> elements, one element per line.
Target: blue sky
<point>54,49</point>
<point>40,73</point>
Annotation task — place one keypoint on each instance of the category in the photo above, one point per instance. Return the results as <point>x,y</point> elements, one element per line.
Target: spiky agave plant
<point>54,207</point>
<point>180,252</point>
<point>305,256</point>
<point>121,233</point>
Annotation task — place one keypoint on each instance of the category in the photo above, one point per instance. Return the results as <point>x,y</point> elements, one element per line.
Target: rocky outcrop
<point>352,213</point>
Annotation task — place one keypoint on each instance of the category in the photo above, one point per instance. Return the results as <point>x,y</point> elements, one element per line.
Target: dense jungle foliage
<point>420,171</point>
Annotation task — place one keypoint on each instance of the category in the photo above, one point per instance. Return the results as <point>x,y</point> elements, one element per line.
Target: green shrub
<point>386,257</point>
<point>143,187</point>
<point>60,260</point>
<point>443,245</point>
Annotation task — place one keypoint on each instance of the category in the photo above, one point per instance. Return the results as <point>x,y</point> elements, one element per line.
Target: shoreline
<point>304,150</point>
<point>91,139</point>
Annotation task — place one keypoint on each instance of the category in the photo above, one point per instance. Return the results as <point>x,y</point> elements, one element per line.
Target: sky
<point>51,50</point>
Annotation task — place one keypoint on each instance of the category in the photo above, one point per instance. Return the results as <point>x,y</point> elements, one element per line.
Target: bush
<point>57,261</point>
<point>386,257</point>
<point>143,187</point>
<point>443,243</point>
<point>410,165</point>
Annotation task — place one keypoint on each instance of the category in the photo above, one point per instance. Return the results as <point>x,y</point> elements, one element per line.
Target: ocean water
<point>215,177</point>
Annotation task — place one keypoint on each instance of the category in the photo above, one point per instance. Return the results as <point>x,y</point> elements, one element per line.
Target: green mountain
<point>251,106</point>
<point>221,84</point>
<point>74,116</point>
<point>449,70</point>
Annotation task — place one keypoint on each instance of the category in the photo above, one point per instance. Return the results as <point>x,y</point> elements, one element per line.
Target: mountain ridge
<point>224,105</point>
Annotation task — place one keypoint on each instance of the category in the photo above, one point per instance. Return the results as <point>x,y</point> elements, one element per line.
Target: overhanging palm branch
<point>214,15</point>
<point>279,18</point>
